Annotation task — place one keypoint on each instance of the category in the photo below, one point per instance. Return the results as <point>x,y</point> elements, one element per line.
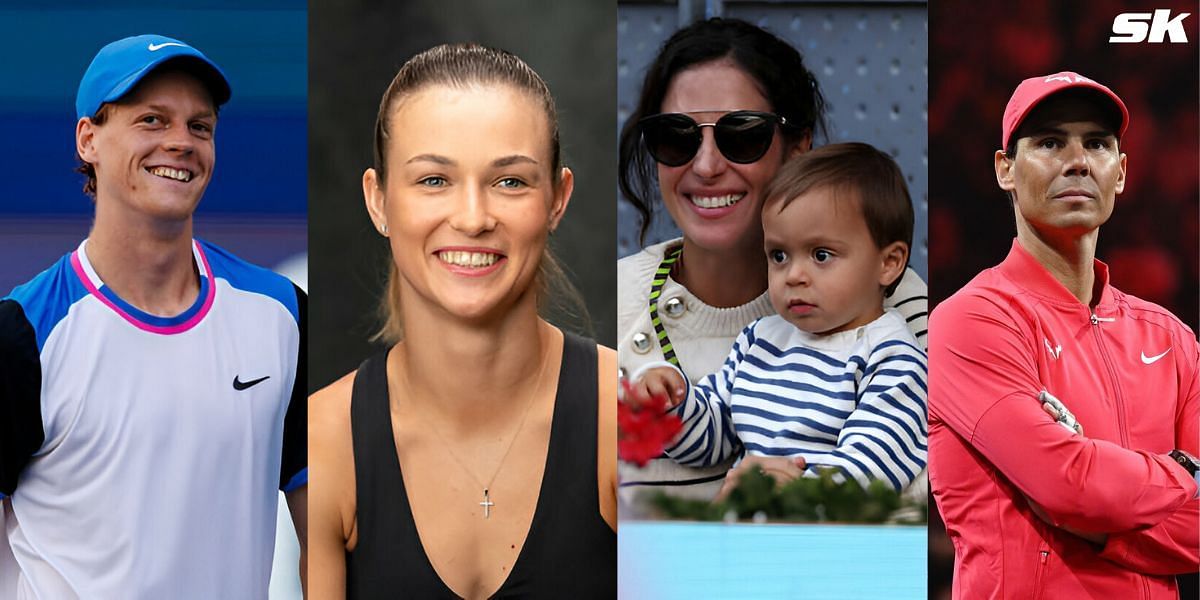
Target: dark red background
<point>978,54</point>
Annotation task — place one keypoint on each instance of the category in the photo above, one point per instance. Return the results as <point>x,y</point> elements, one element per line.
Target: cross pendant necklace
<point>487,504</point>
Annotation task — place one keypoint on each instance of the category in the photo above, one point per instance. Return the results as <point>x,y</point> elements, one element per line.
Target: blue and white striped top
<point>853,400</point>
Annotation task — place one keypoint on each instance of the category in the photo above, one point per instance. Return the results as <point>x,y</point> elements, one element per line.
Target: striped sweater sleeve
<point>708,436</point>
<point>885,436</point>
<point>911,300</point>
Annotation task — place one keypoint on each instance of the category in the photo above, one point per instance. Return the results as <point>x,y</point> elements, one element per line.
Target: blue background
<point>256,204</point>
<point>669,560</point>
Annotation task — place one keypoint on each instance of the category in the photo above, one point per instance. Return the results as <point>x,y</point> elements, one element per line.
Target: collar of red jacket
<point>1026,272</point>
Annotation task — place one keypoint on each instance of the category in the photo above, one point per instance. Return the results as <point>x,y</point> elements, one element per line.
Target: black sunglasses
<point>742,136</point>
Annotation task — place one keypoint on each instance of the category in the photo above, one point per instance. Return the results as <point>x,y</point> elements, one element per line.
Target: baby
<point>833,380</point>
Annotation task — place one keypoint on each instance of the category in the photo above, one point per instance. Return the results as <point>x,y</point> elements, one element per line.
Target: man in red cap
<point>1063,414</point>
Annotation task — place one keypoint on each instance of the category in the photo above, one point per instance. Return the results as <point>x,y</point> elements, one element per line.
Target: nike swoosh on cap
<point>1151,360</point>
<point>157,47</point>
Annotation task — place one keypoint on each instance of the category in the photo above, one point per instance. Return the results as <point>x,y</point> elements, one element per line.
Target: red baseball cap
<point>1035,89</point>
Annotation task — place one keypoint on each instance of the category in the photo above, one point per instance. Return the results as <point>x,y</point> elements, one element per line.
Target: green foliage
<point>805,499</point>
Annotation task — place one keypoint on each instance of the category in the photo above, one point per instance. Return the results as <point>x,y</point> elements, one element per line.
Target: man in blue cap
<point>151,385</point>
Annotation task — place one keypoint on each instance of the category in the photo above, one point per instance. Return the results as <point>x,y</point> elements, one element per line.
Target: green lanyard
<point>660,278</point>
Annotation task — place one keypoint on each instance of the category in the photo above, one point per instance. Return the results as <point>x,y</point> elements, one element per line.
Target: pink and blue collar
<point>141,319</point>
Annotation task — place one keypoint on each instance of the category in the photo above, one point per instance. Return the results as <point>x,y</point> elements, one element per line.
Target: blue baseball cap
<point>119,66</point>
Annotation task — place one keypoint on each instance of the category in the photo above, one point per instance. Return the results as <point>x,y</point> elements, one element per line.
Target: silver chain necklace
<point>487,502</point>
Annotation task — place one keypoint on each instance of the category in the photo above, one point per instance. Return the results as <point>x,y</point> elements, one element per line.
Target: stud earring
<point>383,229</point>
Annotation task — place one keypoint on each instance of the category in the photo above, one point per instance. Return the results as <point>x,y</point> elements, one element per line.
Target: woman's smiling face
<point>716,202</point>
<point>470,196</point>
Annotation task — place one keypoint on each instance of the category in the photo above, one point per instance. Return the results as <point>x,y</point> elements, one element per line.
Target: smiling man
<point>1101,502</point>
<point>151,385</point>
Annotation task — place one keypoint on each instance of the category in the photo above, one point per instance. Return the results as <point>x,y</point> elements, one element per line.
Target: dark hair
<point>464,65</point>
<point>883,196</point>
<point>789,87</point>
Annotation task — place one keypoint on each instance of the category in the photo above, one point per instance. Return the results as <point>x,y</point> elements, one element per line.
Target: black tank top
<point>569,552</point>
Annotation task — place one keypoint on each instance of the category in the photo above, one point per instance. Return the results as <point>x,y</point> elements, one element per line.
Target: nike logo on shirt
<point>241,385</point>
<point>1151,359</point>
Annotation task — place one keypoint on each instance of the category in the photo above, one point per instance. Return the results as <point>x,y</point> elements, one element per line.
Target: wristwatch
<point>1188,462</point>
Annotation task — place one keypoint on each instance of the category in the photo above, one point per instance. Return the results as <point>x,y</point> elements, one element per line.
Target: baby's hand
<point>661,381</point>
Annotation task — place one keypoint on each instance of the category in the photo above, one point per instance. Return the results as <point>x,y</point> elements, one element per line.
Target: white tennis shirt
<point>163,440</point>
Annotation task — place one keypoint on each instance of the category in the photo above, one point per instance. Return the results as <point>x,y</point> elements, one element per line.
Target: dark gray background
<point>359,45</point>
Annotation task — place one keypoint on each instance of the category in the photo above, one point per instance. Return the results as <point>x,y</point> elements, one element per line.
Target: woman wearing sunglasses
<point>478,451</point>
<point>722,106</point>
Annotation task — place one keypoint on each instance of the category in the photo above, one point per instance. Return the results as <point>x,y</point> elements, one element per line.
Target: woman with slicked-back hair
<point>475,457</point>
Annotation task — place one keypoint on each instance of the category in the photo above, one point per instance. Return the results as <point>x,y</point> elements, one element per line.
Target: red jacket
<point>1128,371</point>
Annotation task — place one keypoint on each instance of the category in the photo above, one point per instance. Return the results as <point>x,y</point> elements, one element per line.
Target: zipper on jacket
<point>1043,558</point>
<point>1112,375</point>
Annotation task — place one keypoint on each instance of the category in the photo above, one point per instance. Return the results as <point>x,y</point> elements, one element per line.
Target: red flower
<point>643,432</point>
